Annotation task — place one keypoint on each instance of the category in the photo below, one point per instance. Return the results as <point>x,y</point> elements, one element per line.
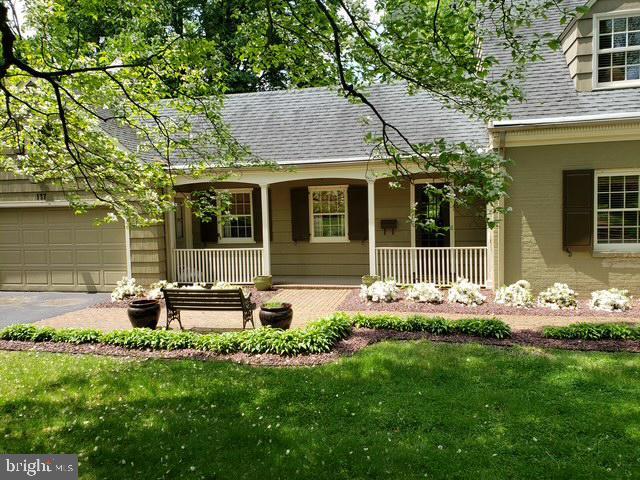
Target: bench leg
<point>174,315</point>
<point>246,318</point>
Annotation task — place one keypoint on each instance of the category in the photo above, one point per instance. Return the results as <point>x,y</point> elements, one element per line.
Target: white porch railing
<point>439,265</point>
<point>233,265</point>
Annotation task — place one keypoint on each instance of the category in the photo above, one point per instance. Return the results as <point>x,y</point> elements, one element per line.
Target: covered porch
<point>326,228</point>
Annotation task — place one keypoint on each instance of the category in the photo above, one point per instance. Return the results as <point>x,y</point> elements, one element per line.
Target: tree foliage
<point>79,69</point>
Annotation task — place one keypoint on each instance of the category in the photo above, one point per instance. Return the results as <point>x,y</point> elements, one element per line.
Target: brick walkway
<point>308,305</point>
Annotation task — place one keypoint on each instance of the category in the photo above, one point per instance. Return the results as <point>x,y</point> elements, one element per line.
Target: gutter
<point>563,121</point>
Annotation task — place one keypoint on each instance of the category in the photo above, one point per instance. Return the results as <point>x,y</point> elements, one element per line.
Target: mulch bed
<point>258,298</point>
<point>353,303</point>
<point>361,338</point>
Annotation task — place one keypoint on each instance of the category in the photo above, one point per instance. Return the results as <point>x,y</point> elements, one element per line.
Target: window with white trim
<point>328,210</point>
<point>618,50</point>
<point>617,211</point>
<point>179,221</point>
<point>235,224</point>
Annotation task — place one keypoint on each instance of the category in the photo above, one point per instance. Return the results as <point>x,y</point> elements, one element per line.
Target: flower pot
<point>263,282</point>
<point>144,313</point>
<point>276,317</point>
<point>369,280</point>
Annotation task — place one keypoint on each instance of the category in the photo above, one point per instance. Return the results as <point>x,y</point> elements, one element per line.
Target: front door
<point>432,209</point>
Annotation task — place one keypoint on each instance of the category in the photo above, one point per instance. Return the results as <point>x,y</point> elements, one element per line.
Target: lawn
<point>395,410</point>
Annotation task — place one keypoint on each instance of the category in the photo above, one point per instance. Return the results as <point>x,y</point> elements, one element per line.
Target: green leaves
<point>593,331</point>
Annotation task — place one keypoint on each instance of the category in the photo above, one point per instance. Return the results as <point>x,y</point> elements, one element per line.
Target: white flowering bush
<point>155,289</point>
<point>612,300</point>
<point>380,291</point>
<point>559,296</point>
<point>515,295</point>
<point>126,288</point>
<point>465,292</point>
<point>425,292</point>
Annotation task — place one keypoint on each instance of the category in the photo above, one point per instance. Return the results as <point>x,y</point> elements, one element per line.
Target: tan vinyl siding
<point>533,230</point>
<point>148,254</point>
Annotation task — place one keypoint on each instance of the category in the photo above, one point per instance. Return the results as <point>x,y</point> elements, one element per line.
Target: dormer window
<point>617,59</point>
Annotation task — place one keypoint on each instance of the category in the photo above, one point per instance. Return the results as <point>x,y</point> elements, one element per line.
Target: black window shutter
<point>257,215</point>
<point>209,230</point>
<point>577,209</point>
<point>300,214</point>
<point>358,213</point>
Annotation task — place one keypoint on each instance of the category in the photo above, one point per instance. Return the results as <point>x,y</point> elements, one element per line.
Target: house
<point>333,215</point>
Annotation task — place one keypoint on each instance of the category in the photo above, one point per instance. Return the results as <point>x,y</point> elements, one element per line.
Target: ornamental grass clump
<point>380,291</point>
<point>126,288</point>
<point>515,295</point>
<point>425,293</point>
<point>612,300</point>
<point>466,293</point>
<point>559,296</point>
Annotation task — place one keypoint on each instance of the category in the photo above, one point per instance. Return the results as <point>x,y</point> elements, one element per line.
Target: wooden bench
<point>178,299</point>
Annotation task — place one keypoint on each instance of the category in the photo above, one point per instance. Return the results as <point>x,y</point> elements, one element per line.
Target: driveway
<point>29,307</point>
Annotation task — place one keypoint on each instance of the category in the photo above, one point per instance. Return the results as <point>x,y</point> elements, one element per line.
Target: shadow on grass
<point>396,410</point>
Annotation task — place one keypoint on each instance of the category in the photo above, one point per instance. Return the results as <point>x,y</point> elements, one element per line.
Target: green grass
<point>396,410</point>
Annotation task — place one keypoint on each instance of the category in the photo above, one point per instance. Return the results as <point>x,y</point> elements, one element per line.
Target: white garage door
<point>53,249</point>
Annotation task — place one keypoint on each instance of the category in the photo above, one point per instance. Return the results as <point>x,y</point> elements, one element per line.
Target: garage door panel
<point>112,277</point>
<point>34,216</point>
<point>62,278</point>
<point>36,257</point>
<point>113,257</point>
<point>87,237</point>
<point>114,237</point>
<point>10,257</point>
<point>10,237</point>
<point>11,277</point>
<point>37,277</point>
<point>53,249</point>
<point>11,217</point>
<point>61,257</point>
<point>35,237</point>
<point>89,277</point>
<point>64,237</point>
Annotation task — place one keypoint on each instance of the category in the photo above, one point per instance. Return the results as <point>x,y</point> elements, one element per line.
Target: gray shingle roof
<point>550,91</point>
<point>316,124</point>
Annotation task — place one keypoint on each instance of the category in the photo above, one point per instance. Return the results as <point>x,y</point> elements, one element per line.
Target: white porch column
<point>266,241</point>
<point>371,209</point>
<point>170,235</point>
<point>188,226</point>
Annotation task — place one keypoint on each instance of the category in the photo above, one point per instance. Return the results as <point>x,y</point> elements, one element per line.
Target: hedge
<point>593,331</point>
<point>477,327</point>
<point>317,337</point>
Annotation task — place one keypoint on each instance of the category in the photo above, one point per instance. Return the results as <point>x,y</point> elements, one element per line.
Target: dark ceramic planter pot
<point>276,317</point>
<point>144,313</point>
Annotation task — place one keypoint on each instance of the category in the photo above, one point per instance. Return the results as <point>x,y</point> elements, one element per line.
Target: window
<point>617,210</point>
<point>328,207</point>
<point>235,225</point>
<point>618,50</point>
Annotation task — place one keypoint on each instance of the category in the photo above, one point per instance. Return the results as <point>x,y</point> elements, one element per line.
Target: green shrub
<point>19,332</point>
<point>479,327</point>
<point>482,327</point>
<point>72,335</point>
<point>593,331</point>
